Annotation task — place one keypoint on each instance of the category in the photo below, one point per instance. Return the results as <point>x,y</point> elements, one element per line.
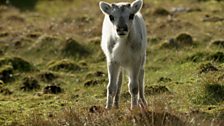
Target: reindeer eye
<point>111,18</point>
<point>131,16</point>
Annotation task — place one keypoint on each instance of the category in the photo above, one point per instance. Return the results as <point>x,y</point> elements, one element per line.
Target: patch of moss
<point>71,48</point>
<point>18,64</point>
<point>213,93</point>
<point>45,44</point>
<point>184,39</point>
<point>21,64</point>
<point>64,65</point>
<point>181,41</point>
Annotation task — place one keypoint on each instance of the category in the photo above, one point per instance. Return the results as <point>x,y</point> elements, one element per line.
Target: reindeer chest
<point>125,54</point>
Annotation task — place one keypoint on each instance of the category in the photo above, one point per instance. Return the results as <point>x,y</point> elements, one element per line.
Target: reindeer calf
<point>124,44</point>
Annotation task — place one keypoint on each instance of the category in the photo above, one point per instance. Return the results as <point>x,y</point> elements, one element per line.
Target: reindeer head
<point>121,15</point>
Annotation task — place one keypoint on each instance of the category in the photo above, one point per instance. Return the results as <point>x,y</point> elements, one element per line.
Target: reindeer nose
<point>122,29</point>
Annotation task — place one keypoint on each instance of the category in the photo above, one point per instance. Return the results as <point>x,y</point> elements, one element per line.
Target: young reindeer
<point>124,44</point>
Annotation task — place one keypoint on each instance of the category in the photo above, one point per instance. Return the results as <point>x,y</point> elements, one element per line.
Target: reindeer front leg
<point>141,97</point>
<point>117,96</point>
<point>113,70</point>
<point>134,86</point>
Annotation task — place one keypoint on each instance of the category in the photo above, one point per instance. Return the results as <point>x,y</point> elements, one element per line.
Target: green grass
<point>58,43</point>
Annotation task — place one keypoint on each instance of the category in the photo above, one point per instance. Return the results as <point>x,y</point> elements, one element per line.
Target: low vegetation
<point>53,72</point>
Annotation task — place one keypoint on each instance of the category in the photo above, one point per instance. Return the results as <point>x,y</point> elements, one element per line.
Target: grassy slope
<point>40,37</point>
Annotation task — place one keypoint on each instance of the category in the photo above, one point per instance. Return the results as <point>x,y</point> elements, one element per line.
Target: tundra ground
<point>53,72</point>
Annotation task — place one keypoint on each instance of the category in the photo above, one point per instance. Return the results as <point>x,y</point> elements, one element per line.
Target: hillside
<point>53,72</point>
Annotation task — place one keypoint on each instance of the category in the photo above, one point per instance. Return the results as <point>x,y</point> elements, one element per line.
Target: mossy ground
<point>57,43</point>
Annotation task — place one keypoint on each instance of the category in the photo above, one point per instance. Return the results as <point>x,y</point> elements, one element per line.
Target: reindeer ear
<point>136,6</point>
<point>105,7</point>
